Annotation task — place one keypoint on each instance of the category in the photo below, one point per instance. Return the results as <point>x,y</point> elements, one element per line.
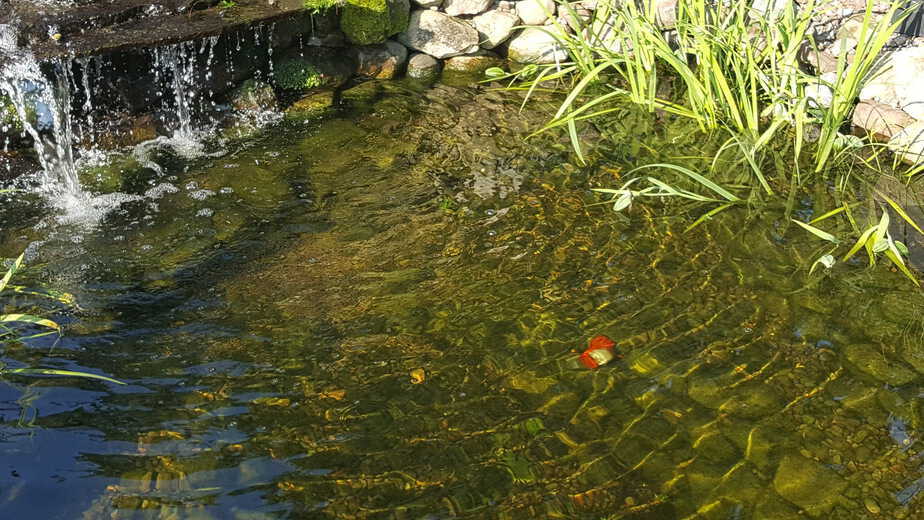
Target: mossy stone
<point>753,401</point>
<point>871,360</point>
<point>365,22</point>
<point>808,484</point>
<point>311,105</point>
<point>253,94</point>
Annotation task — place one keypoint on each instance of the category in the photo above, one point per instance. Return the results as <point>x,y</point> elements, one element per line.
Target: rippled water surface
<point>376,314</point>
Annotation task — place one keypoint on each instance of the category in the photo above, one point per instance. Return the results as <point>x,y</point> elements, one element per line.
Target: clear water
<point>274,310</point>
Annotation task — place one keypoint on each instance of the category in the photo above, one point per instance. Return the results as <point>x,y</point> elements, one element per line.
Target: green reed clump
<point>738,69</point>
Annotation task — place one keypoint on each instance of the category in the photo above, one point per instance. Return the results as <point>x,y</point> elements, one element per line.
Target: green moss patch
<point>297,74</point>
<point>372,21</point>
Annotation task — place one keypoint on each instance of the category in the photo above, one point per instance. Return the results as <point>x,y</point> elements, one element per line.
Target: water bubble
<point>205,212</point>
<point>226,190</point>
<point>490,212</point>
<point>492,233</point>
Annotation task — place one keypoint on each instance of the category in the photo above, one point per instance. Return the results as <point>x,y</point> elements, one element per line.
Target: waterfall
<point>179,65</point>
<point>42,103</point>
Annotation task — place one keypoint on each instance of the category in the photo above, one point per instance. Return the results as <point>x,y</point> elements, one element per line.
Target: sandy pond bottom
<point>374,315</point>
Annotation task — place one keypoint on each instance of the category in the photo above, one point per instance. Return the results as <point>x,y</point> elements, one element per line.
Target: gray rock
<point>494,27</point>
<point>819,93</point>
<point>881,122</point>
<point>536,45</point>
<point>900,83</point>
<point>423,66</point>
<point>535,12</point>
<point>770,9</point>
<point>380,61</point>
<point>665,13</point>
<point>908,144</point>
<point>458,7</point>
<point>427,4</point>
<point>439,35</point>
<point>871,360</point>
<point>808,484</point>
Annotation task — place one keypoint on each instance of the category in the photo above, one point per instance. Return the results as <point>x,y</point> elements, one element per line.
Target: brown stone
<point>881,122</point>
<point>821,61</point>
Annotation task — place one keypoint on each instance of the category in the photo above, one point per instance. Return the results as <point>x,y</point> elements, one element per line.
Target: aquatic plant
<point>875,239</point>
<point>726,65</point>
<point>9,331</point>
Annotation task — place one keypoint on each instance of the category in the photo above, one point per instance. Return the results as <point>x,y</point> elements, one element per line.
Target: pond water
<point>377,314</point>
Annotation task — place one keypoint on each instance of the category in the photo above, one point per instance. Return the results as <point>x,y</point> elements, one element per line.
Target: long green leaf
<point>28,318</point>
<point>55,372</point>
<point>9,273</point>
<point>824,235</point>
<point>693,175</point>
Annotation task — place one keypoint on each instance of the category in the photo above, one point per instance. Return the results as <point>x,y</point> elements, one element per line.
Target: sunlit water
<point>272,309</point>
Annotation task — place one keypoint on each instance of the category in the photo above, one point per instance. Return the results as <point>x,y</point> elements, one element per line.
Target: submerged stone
<point>423,66</point>
<point>872,361</point>
<point>808,484</point>
<point>753,401</point>
<point>473,63</point>
<point>312,104</point>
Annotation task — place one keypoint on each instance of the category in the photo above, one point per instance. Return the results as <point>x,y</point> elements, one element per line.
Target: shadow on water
<point>376,316</point>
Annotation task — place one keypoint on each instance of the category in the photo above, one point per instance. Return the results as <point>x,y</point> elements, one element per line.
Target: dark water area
<point>378,313</point>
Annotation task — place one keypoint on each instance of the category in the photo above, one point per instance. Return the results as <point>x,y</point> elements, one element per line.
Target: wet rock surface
<point>131,24</point>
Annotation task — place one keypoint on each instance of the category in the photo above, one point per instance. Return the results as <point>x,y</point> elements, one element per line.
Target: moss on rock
<point>297,74</point>
<point>372,21</point>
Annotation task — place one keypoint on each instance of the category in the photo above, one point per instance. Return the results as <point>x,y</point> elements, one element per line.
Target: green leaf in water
<point>28,318</point>
<point>494,72</point>
<point>827,261</point>
<point>55,372</point>
<point>824,235</point>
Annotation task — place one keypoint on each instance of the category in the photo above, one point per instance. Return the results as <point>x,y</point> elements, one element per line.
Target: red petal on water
<point>601,341</point>
<point>588,361</point>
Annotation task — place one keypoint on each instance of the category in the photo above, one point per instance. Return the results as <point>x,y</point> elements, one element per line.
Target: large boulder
<point>494,27</point>
<point>536,45</point>
<point>908,144</point>
<point>900,83</point>
<point>439,35</point>
<point>365,22</point>
<point>381,61</point>
<point>460,7</point>
<point>881,122</point>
